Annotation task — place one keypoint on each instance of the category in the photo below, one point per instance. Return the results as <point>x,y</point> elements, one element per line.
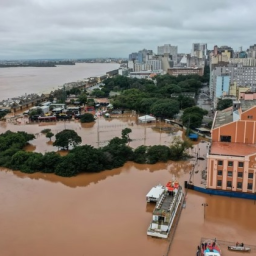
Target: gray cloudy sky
<point>114,28</point>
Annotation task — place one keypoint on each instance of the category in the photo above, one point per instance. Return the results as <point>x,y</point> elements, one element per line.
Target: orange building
<point>232,156</point>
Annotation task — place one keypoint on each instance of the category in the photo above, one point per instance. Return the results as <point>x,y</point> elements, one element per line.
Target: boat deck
<point>165,205</point>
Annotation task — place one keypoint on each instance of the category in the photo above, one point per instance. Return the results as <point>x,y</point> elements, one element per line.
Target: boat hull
<point>239,248</point>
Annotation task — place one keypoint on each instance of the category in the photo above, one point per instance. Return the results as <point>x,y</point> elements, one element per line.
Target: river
<point>21,80</point>
<point>106,213</point>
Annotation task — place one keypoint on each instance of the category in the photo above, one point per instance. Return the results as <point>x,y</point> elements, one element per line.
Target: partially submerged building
<point>232,156</point>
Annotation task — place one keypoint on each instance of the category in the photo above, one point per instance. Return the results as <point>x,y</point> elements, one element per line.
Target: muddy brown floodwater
<point>106,214</point>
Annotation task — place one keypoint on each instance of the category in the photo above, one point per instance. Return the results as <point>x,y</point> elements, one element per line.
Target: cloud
<point>100,28</point>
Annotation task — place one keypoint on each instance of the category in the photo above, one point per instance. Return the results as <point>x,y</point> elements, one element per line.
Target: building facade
<point>168,49</point>
<point>185,71</point>
<point>231,161</point>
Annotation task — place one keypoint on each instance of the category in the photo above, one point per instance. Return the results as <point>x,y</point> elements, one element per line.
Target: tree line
<point>82,158</point>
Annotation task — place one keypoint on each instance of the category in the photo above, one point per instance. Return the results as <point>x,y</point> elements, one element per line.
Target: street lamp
<point>204,205</point>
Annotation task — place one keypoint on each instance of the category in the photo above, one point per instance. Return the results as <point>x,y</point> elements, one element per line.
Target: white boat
<point>165,211</point>
<point>155,193</point>
<point>239,248</point>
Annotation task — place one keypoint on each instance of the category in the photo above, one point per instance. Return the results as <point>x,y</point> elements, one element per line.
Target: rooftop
<point>232,149</point>
<point>247,104</point>
<point>223,117</point>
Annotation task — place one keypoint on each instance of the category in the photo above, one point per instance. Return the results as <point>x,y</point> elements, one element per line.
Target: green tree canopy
<point>87,118</point>
<point>165,108</point>
<point>50,160</point>
<point>158,153</point>
<point>224,103</point>
<point>82,98</point>
<point>17,140</point>
<point>49,135</point>
<point>98,93</point>
<point>67,138</point>
<point>125,134</point>
<point>193,117</point>
<point>88,159</point>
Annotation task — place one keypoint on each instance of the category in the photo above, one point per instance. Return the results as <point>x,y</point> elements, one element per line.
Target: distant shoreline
<point>37,64</point>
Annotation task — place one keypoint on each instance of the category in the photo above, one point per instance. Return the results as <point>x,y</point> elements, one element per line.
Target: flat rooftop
<point>247,104</point>
<point>232,149</point>
<point>223,117</point>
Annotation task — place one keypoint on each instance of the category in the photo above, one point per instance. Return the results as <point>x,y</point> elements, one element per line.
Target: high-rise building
<point>251,52</point>
<point>171,50</point>
<point>199,50</point>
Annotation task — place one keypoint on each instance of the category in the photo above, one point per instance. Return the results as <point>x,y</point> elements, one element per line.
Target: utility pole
<point>204,205</point>
<point>98,133</point>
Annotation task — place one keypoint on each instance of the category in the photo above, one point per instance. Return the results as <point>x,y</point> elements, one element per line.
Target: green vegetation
<point>49,135</point>
<point>193,117</point>
<point>148,97</point>
<point>82,98</point>
<point>125,134</point>
<point>87,118</point>
<point>45,131</point>
<point>98,93</point>
<point>3,113</point>
<point>224,103</point>
<point>35,112</point>
<point>83,158</point>
<point>67,138</point>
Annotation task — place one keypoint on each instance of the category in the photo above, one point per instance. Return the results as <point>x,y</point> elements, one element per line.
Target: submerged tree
<point>125,134</point>
<point>178,148</point>
<point>67,138</point>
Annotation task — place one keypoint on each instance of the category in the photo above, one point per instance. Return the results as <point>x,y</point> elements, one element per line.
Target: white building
<point>154,64</point>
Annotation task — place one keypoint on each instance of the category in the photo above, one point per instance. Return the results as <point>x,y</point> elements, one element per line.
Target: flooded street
<point>106,213</point>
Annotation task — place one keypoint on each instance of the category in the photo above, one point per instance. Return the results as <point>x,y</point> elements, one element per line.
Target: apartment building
<point>231,161</point>
<point>243,76</point>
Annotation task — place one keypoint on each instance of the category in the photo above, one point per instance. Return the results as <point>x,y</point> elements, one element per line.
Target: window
<point>240,175</point>
<point>239,185</point>
<point>230,163</point>
<point>220,173</point>
<point>220,162</point>
<point>240,164</point>
<point>219,183</point>
<point>250,175</point>
<point>229,184</point>
<point>249,186</point>
<point>230,173</point>
<point>250,117</point>
<point>225,138</point>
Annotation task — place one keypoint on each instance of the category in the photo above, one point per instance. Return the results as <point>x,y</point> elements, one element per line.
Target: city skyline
<point>37,29</point>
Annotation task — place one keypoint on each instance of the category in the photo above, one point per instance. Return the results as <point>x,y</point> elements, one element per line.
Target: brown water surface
<point>20,80</point>
<point>106,213</point>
